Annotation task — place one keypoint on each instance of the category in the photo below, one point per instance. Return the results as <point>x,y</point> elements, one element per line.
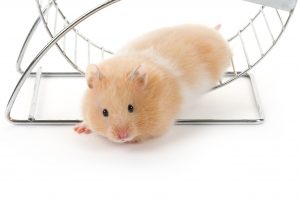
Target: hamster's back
<point>197,52</point>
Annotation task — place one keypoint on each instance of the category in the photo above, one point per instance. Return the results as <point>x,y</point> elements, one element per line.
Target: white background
<point>191,162</point>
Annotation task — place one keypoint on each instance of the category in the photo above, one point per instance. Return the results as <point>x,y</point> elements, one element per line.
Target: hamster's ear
<point>140,78</point>
<point>218,27</point>
<point>93,75</point>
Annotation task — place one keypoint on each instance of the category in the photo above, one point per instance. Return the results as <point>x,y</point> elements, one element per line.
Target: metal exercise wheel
<point>278,10</point>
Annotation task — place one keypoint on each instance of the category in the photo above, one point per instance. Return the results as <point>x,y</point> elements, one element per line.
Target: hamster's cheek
<point>135,132</point>
<point>99,126</point>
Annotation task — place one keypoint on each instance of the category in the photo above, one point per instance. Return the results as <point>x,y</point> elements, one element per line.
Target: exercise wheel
<point>247,54</point>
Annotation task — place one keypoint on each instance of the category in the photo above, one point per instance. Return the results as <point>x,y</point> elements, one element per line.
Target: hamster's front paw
<point>82,128</point>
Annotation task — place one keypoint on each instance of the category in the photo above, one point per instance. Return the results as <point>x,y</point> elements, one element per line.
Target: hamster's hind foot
<point>82,128</point>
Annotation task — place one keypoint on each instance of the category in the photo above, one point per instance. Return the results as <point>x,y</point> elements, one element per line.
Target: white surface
<point>192,162</point>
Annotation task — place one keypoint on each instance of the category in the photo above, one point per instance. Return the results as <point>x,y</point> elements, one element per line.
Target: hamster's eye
<point>130,108</point>
<point>105,113</point>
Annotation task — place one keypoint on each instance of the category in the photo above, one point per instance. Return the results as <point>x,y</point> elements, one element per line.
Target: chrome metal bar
<point>268,25</point>
<point>57,74</point>
<point>102,53</point>
<point>38,57</point>
<point>242,121</point>
<point>256,97</point>
<point>26,42</point>
<point>233,66</point>
<point>244,48</point>
<point>256,38</point>
<point>55,21</point>
<point>89,52</point>
<point>71,62</point>
<point>64,40</point>
<point>245,27</point>
<point>47,11</point>
<point>33,105</point>
<point>57,45</point>
<point>267,51</point>
<point>45,122</point>
<point>247,121</point>
<point>79,34</point>
<point>75,48</point>
<point>278,14</point>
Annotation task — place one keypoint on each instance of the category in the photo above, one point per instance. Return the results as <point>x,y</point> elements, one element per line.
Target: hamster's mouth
<point>121,141</point>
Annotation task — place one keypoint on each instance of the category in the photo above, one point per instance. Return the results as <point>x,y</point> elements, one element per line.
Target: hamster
<point>137,94</point>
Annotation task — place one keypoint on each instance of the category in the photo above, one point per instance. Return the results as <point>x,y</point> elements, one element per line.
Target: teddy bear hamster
<point>137,94</point>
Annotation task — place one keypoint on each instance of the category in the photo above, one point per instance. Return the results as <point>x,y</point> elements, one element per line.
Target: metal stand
<point>58,39</point>
<point>258,120</point>
<point>32,120</point>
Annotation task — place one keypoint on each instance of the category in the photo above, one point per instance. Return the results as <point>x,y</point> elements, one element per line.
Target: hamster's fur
<point>139,92</point>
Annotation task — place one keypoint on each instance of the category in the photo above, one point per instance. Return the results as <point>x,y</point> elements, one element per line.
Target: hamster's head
<point>123,101</point>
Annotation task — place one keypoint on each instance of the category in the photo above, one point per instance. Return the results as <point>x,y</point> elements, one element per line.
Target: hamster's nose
<point>122,134</point>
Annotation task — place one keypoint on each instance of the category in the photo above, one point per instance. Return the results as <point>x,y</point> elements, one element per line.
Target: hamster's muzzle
<point>122,133</point>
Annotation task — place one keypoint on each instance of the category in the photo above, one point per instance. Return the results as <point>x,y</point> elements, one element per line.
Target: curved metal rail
<point>238,35</point>
<point>34,62</point>
<point>43,16</point>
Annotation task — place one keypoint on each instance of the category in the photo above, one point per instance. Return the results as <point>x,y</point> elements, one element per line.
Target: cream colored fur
<point>177,62</point>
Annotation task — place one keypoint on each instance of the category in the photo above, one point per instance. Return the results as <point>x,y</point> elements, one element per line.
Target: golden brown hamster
<point>138,94</point>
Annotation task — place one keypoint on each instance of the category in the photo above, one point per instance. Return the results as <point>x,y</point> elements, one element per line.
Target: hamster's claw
<point>82,128</point>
